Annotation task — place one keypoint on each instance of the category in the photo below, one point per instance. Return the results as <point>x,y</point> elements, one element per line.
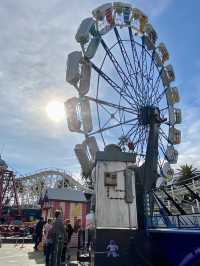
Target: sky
<point>36,37</point>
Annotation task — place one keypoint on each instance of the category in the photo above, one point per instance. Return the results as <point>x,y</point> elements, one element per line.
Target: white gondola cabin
<point>79,115</point>
<point>174,136</point>
<point>167,171</point>
<point>122,12</point>
<point>85,77</point>
<point>78,72</point>
<point>161,54</point>
<point>171,155</point>
<point>172,95</point>
<point>139,18</point>
<point>73,121</point>
<point>167,75</point>
<point>175,116</point>
<point>73,71</point>
<point>86,115</point>
<point>91,146</point>
<point>88,38</point>
<point>83,33</point>
<point>104,17</point>
<point>92,47</point>
<point>84,160</point>
<point>150,37</point>
<point>164,54</point>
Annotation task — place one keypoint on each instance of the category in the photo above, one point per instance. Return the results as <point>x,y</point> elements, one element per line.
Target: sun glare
<point>55,111</point>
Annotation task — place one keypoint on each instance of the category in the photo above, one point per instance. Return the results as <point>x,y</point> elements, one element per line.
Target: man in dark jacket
<point>38,232</point>
<point>58,236</point>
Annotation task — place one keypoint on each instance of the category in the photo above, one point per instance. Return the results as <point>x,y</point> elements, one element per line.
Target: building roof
<point>65,194</point>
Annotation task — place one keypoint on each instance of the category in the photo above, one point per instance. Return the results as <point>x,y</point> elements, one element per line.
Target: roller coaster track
<point>53,172</point>
<point>186,193</point>
<point>35,184</point>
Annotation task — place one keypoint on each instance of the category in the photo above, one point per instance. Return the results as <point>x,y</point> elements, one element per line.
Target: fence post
<point>178,221</point>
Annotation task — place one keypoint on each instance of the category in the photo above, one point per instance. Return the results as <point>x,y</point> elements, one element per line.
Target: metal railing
<point>188,221</point>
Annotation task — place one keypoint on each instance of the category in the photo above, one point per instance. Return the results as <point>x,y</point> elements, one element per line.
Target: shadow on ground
<point>37,256</point>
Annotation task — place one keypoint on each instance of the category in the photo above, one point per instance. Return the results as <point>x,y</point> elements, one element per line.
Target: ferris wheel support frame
<point>8,184</point>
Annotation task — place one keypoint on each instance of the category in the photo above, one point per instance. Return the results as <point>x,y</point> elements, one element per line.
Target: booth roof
<point>65,194</point>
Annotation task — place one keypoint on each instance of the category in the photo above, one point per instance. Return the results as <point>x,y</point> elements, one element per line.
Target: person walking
<point>58,236</point>
<point>38,232</point>
<point>69,232</point>
<point>48,245</point>
<point>47,227</point>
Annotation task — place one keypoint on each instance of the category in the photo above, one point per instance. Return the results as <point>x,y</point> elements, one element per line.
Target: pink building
<point>72,203</point>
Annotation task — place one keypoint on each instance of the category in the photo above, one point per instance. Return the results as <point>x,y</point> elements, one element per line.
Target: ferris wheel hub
<point>149,114</point>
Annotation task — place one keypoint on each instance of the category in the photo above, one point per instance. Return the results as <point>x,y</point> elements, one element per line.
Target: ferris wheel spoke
<point>104,126</point>
<point>155,87</point>
<point>124,53</point>
<point>140,143</point>
<point>122,118</point>
<point>110,127</point>
<point>141,74</point>
<point>161,160</point>
<point>135,56</point>
<point>158,99</point>
<point>112,115</point>
<point>121,73</point>
<point>164,109</point>
<point>109,104</point>
<point>128,64</point>
<point>142,77</point>
<point>161,145</point>
<point>99,123</point>
<point>113,84</point>
<point>152,81</point>
<point>155,96</point>
<point>145,73</point>
<point>155,90</point>
<point>160,163</point>
<point>164,135</point>
<point>149,77</point>
<point>131,131</point>
<point>136,132</point>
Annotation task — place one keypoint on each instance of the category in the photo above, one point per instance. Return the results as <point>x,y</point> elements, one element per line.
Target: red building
<point>71,203</point>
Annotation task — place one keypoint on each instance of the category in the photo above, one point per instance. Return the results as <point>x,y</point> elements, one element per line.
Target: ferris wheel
<point>122,78</point>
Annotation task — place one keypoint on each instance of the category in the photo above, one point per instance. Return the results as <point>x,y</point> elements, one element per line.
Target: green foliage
<point>186,172</point>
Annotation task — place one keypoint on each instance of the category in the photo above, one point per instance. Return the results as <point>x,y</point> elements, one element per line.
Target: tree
<point>186,172</point>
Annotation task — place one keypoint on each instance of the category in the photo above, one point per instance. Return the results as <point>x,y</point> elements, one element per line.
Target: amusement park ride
<point>19,195</point>
<point>8,188</point>
<point>133,104</point>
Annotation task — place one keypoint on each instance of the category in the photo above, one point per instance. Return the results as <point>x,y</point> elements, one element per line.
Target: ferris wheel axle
<point>148,114</point>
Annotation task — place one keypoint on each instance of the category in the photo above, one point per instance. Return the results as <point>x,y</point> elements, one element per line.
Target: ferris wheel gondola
<point>122,78</point>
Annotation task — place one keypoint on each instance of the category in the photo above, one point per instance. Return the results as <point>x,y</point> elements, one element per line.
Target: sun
<point>55,111</point>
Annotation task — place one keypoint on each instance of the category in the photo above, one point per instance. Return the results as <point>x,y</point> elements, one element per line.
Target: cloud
<point>190,146</point>
<point>153,8</point>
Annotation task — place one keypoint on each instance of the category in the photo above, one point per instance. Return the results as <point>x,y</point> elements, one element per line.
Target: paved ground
<point>11,255</point>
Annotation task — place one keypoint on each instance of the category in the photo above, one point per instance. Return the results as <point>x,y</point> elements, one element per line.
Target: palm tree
<point>186,172</point>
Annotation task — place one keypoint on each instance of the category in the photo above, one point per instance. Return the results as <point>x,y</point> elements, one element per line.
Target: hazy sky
<point>36,37</point>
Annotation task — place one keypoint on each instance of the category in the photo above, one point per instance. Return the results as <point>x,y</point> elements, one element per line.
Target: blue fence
<point>190,221</point>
